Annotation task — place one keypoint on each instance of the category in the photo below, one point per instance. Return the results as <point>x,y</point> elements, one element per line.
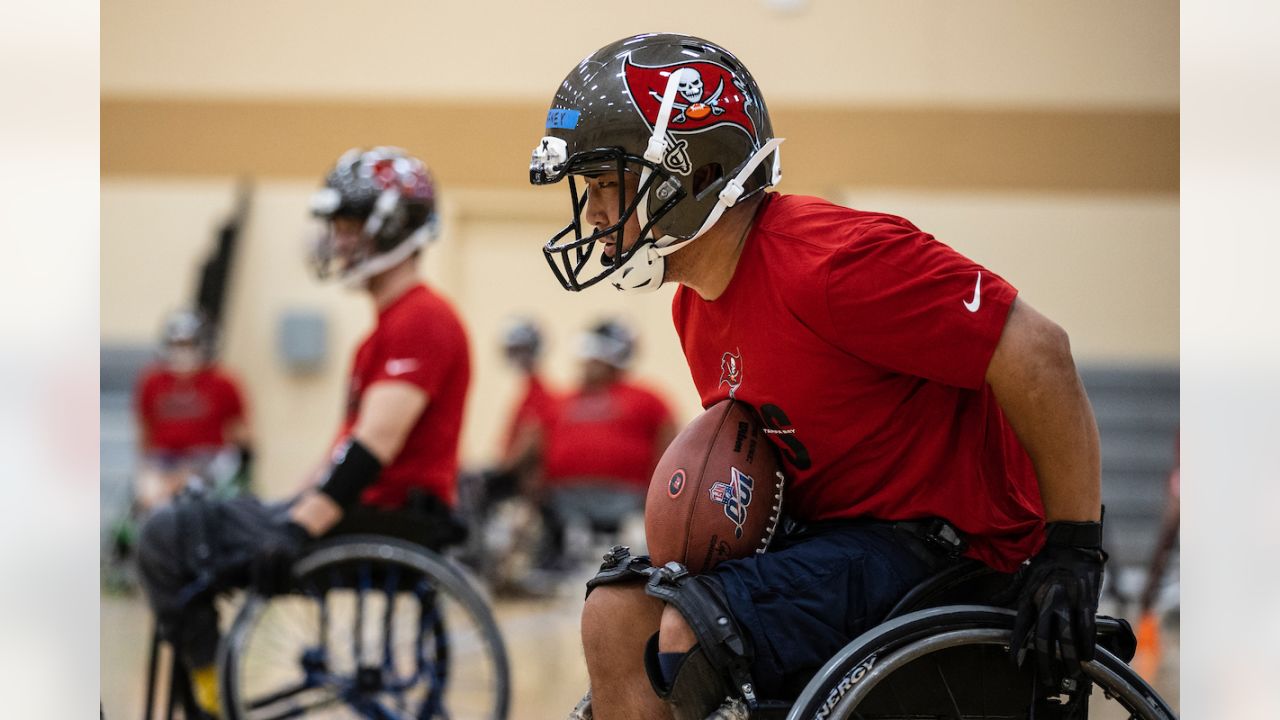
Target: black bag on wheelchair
<point>424,520</point>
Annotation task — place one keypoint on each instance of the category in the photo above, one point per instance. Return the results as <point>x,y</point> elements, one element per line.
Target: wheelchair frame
<point>932,617</point>
<point>853,673</point>
<point>343,548</point>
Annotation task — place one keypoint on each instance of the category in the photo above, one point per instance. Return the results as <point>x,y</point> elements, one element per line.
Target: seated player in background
<point>922,409</point>
<point>189,410</point>
<point>192,426</point>
<point>398,441</point>
<point>607,436</point>
<point>534,411</point>
<point>504,500</point>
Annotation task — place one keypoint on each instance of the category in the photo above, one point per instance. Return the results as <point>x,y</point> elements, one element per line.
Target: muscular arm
<point>1036,384</point>
<point>388,411</point>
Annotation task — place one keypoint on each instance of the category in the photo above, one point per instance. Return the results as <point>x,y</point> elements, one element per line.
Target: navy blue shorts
<point>813,592</point>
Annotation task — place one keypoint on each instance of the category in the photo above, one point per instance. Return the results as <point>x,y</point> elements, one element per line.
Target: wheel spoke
<point>951,697</point>
<point>292,656</point>
<point>279,695</point>
<point>392,581</point>
<point>296,710</point>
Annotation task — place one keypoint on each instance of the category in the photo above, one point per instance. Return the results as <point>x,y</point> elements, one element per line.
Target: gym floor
<point>542,637</point>
<point>549,675</point>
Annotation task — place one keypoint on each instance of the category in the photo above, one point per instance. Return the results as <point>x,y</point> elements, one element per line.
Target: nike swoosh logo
<point>976,302</point>
<point>400,367</point>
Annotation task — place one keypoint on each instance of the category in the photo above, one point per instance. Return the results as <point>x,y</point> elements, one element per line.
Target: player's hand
<point>1058,602</point>
<point>271,571</point>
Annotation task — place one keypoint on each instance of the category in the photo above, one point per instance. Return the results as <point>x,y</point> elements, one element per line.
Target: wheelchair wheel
<point>379,628</point>
<point>952,662</point>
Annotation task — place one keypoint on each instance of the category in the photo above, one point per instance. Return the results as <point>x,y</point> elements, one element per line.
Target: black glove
<point>271,571</point>
<point>1058,601</point>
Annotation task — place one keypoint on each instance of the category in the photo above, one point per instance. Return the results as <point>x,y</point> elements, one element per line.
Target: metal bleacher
<point>117,449</point>
<point>1137,411</point>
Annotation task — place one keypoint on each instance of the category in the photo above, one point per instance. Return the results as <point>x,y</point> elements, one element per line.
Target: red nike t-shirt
<point>420,340</point>
<point>537,406</point>
<point>864,343</point>
<point>184,413</point>
<point>608,434</point>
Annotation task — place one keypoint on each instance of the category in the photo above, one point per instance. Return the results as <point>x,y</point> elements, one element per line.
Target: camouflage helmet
<point>675,110</point>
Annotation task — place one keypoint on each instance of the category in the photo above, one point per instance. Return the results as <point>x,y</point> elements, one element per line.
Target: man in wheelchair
<point>924,412</point>
<point>396,448</point>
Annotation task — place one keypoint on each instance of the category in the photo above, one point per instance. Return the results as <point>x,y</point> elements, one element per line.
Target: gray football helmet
<point>609,341</point>
<point>669,108</point>
<point>392,193</point>
<point>186,340</point>
<point>522,341</point>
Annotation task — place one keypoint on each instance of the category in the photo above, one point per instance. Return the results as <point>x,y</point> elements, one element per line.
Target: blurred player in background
<point>193,426</point>
<point>922,410</point>
<point>505,501</point>
<point>607,436</point>
<point>535,410</point>
<point>189,410</point>
<point>398,442</point>
<point>1150,647</point>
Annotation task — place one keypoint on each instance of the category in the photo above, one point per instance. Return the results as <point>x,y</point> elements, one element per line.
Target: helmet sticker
<point>562,119</point>
<point>707,97</point>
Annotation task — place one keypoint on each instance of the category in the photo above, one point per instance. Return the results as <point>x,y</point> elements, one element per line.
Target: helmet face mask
<point>386,193</point>
<point>522,343</point>
<point>186,341</point>
<point>682,113</point>
<point>609,342</point>
<point>338,247</point>
<point>570,253</point>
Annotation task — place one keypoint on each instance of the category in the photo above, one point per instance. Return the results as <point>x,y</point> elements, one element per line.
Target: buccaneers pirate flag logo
<point>731,371</point>
<point>707,95</point>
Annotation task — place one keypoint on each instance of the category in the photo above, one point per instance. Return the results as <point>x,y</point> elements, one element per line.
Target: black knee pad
<point>722,645</point>
<point>620,566</point>
<point>698,687</point>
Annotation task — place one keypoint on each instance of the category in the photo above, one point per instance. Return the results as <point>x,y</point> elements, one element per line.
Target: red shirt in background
<point>608,434</point>
<point>420,340</point>
<point>185,413</point>
<point>864,343</point>
<point>537,406</point>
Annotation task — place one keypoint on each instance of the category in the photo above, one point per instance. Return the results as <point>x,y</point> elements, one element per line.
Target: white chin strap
<point>644,271</point>
<point>358,275</point>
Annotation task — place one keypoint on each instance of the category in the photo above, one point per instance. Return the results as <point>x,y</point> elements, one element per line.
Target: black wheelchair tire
<point>347,548</point>
<point>846,679</point>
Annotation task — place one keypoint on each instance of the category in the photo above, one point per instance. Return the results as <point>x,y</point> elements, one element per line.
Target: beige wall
<point>900,52</point>
<point>1104,267</point>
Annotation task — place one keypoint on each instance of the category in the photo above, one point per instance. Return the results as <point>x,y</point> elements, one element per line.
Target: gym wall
<point>1039,138</point>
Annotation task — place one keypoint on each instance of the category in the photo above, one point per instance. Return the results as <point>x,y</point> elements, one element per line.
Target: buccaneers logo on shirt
<point>731,371</point>
<point>182,404</point>
<point>707,95</point>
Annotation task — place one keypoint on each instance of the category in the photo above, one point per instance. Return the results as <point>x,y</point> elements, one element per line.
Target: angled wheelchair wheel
<point>379,628</point>
<point>952,662</point>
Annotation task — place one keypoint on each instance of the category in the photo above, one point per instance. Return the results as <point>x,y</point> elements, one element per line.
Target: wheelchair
<point>379,626</point>
<point>938,655</point>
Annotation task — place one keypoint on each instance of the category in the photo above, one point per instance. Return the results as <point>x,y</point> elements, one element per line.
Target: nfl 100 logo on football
<point>735,495</point>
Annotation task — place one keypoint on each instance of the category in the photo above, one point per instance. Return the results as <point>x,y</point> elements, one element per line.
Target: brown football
<point>717,491</point>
